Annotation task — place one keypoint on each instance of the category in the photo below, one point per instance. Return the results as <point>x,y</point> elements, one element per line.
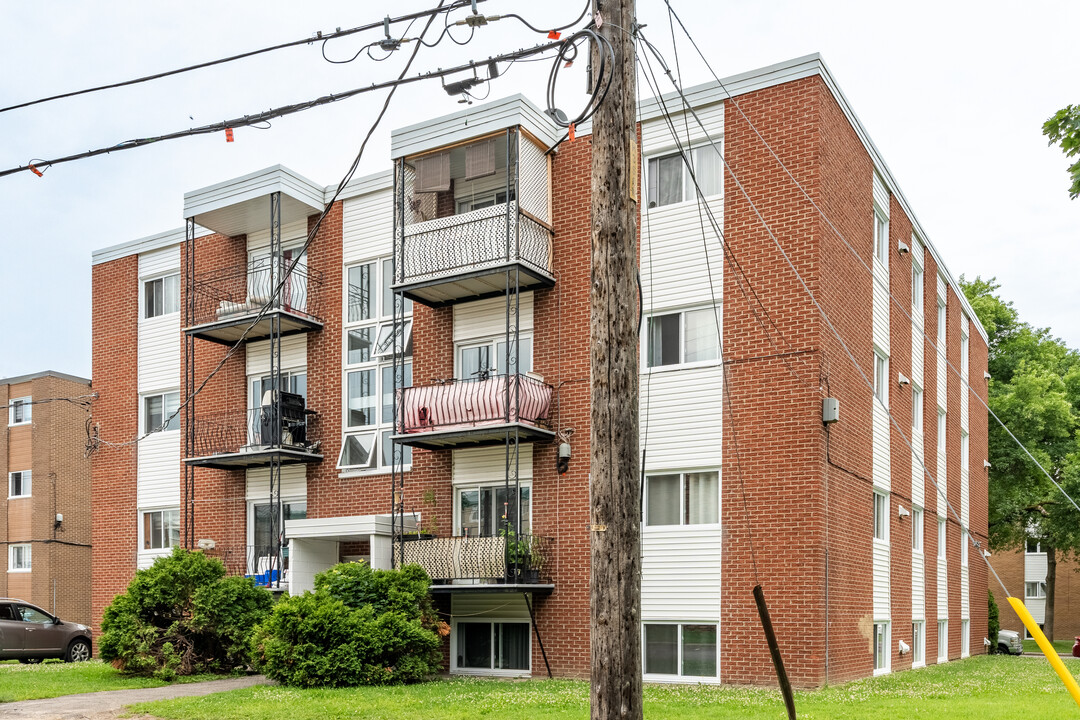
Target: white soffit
<point>242,205</point>
<point>473,122</point>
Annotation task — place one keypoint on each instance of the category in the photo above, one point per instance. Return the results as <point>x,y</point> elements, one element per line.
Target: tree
<point>1063,129</point>
<point>1035,391</point>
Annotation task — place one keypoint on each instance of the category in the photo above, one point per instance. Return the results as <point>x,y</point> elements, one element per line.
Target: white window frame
<point>147,282</point>
<point>492,343</point>
<point>941,430</point>
<point>917,289</point>
<point>689,191</point>
<point>1040,589</point>
<point>917,530</point>
<point>881,376</point>
<point>682,498</point>
<point>142,528</point>
<point>942,325</point>
<point>881,517</point>
<point>144,418</point>
<point>250,533</point>
<point>469,487</point>
<point>882,647</point>
<point>965,638</point>
<point>881,236</point>
<point>25,404</point>
<point>918,643</point>
<point>963,548</point>
<point>943,640</point>
<point>916,407</point>
<point>380,325</point>
<point>964,355</point>
<point>488,672</point>
<point>25,563</point>
<point>682,363</point>
<point>942,533</point>
<point>26,482</point>
<point>679,676</point>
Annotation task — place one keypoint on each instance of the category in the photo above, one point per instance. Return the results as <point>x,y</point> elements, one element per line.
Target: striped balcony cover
<point>465,404</point>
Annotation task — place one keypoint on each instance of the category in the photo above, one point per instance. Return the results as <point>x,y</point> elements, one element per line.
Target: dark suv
<point>29,634</point>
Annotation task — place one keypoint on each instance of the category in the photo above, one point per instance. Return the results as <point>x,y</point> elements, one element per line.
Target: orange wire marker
<point>228,135</point>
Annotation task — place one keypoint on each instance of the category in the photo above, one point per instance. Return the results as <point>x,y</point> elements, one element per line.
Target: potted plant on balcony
<point>518,552</point>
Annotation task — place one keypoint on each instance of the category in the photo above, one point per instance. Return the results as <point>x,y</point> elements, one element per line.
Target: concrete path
<point>109,703</point>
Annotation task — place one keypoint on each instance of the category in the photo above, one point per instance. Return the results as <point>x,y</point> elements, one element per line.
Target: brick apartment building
<point>409,393</point>
<point>45,521</point>
<point>1027,569</point>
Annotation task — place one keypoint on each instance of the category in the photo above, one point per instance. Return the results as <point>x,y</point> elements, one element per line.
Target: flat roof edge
<point>44,373</point>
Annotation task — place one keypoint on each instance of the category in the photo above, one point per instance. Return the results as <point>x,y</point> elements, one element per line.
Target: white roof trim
<point>351,527</point>
<point>361,186</point>
<point>253,185</point>
<point>144,245</point>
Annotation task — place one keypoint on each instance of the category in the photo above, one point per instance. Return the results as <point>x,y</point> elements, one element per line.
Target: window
<point>161,296</point>
<point>260,532</point>
<point>916,288</point>
<point>881,377</point>
<point>963,548</point>
<point>159,410</point>
<point>941,539</point>
<point>682,499</point>
<point>965,638</point>
<point>683,337</point>
<point>1033,545</point>
<point>881,237</point>
<point>941,325</point>
<point>1035,589</point>
<point>881,516</point>
<point>481,201</point>
<point>942,640</point>
<point>484,511</point>
<point>963,355</point>
<point>918,642</point>
<point>916,529</point>
<point>686,650</point>
<point>482,359</point>
<point>19,484</point>
<point>19,558</point>
<point>371,339</point>
<point>881,648</point>
<point>916,408</point>
<point>670,181</point>
<point>33,615</point>
<point>963,453</point>
<point>19,411</point>
<point>940,431</point>
<point>160,529</point>
<point>492,646</point>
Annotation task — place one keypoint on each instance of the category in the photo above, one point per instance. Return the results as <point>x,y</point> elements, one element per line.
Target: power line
<point>80,400</point>
<point>293,43</point>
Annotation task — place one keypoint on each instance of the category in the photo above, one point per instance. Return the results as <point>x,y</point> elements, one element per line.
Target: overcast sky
<point>953,93</point>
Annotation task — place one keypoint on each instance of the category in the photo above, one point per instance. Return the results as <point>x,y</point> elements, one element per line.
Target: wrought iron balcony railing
<point>235,294</point>
<point>518,559</point>
<point>247,437</point>
<point>463,405</point>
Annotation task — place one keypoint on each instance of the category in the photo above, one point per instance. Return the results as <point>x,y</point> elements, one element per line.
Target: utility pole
<point>615,520</point>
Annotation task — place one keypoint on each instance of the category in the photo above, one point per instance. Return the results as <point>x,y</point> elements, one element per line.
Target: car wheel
<point>78,651</point>
<point>1003,649</point>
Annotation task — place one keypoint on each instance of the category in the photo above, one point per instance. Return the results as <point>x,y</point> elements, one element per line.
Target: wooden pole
<point>615,589</point>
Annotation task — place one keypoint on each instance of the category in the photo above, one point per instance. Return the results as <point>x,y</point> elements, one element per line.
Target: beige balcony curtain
<point>480,159</point>
<point>433,173</point>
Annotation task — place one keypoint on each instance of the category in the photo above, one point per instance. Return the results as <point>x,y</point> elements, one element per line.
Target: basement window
<point>680,650</point>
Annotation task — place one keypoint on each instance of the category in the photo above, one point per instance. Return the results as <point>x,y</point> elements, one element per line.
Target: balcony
<point>481,564</point>
<point>474,412</point>
<point>253,438</point>
<point>229,301</point>
<point>473,220</point>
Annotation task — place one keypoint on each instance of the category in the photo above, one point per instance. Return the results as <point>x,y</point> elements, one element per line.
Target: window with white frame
<point>371,339</point>
<point>882,656</point>
<point>19,484</point>
<point>1034,589</point>
<point>486,510</point>
<point>916,288</point>
<point>940,431</point>
<point>881,516</point>
<point>916,408</point>
<point>688,336</point>
<point>160,529</point>
<point>680,649</point>
<point>916,529</point>
<point>1033,546</point>
<point>485,645</point>
<point>963,355</point>
<point>159,412</point>
<point>965,638</point>
<point>941,538</point>
<point>161,296</point>
<point>480,359</point>
<point>941,325</point>
<point>918,642</point>
<point>881,377</point>
<point>20,411</point>
<point>881,236</point>
<point>19,557</point>
<point>963,548</point>
<point>964,444</point>
<point>670,181</point>
<point>260,531</point>
<point>691,498</point>
<point>942,640</point>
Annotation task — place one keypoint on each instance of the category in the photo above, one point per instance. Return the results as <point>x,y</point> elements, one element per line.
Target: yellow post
<point>1048,649</point>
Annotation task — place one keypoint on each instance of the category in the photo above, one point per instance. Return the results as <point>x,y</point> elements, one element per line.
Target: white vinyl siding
<point>942,567</point>
<point>481,466</point>
<point>293,355</point>
<point>684,417</point>
<point>159,470</point>
<point>293,234</point>
<point>680,572</point>
<point>367,225</point>
<point>880,429</point>
<point>881,580</point>
<point>158,337</point>
<point>1035,572</point>
<point>487,318</point>
<point>293,483</point>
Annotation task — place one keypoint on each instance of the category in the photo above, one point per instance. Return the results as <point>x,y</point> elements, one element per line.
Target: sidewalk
<point>106,704</point>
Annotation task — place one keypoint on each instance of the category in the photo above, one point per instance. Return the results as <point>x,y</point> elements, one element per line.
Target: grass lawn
<point>52,679</point>
<point>980,688</point>
<point>1062,646</point>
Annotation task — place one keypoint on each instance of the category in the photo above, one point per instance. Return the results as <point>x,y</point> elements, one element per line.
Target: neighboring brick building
<point>45,522</point>
<point>470,261</point>
<point>1027,570</point>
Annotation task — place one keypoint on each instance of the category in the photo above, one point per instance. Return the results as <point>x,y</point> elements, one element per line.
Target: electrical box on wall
<point>830,410</point>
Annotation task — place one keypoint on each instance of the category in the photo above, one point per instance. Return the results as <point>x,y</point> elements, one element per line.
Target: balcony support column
<point>188,417</point>
<point>397,473</point>
<point>277,278</point>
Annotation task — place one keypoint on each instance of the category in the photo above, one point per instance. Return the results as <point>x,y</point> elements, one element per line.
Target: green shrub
<point>182,616</point>
<point>994,623</point>
<point>359,627</point>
